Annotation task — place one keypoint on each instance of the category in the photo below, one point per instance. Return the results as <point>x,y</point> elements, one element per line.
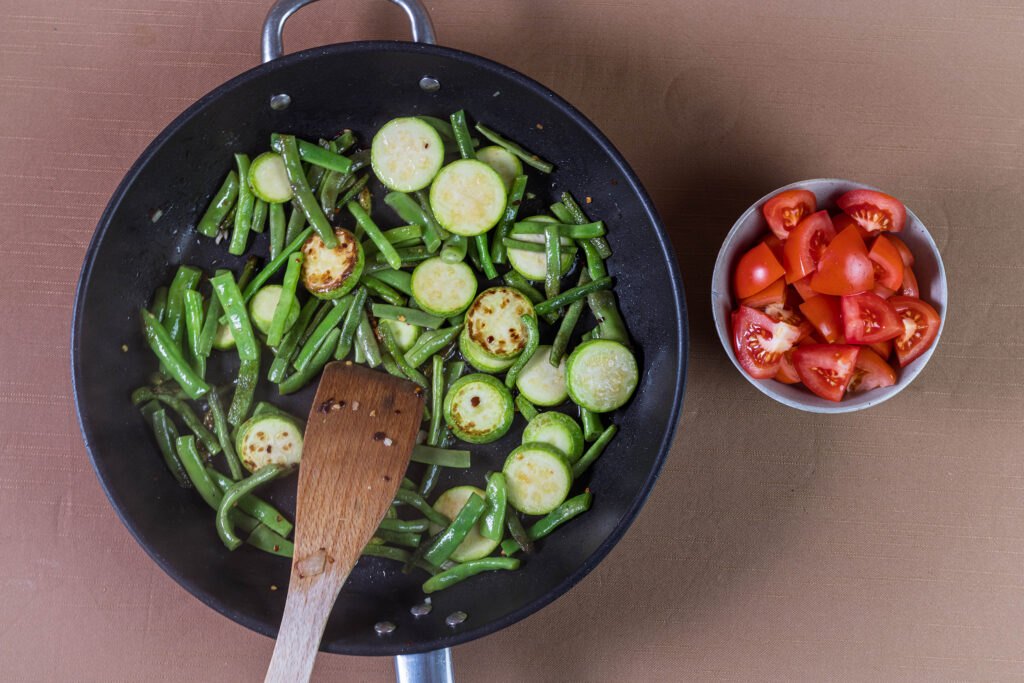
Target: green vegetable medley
<point>465,297</point>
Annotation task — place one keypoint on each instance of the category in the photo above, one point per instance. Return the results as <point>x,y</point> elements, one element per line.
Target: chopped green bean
<point>387,250</point>
<point>238,317</point>
<point>455,531</point>
<point>553,260</point>
<point>594,451</point>
<point>303,195</point>
<point>570,230</point>
<point>166,435</point>
<point>348,327</point>
<point>225,529</point>
<point>410,497</point>
<point>413,316</point>
<point>532,340</point>
<point>492,523</point>
<point>219,206</point>
<point>259,215</point>
<point>515,198</point>
<point>514,148</point>
<point>443,457</point>
<point>255,507</point>
<point>571,295</point>
<point>188,416</point>
<point>462,137</point>
<point>419,354</point>
<point>526,408</point>
<point>467,569</point>
<point>245,390</point>
<point>313,154</point>
<point>326,326</point>
<point>290,345</point>
<point>170,355</point>
<point>243,212</point>
<point>384,290</point>
<point>303,377</point>
<point>220,424</point>
<point>367,341</point>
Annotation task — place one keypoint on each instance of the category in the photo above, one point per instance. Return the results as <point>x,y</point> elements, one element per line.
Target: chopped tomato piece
<point>901,246</point>
<point>844,267</point>
<point>887,262</point>
<point>841,222</point>
<point>775,293</point>
<point>787,370</point>
<point>759,341</point>
<point>825,313</point>
<point>772,241</point>
<point>757,269</point>
<point>869,318</point>
<point>870,372</point>
<point>806,243</point>
<point>876,212</point>
<point>826,369</point>
<point>786,209</point>
<point>909,287</point>
<point>881,291</point>
<point>882,348</point>
<point>920,327</point>
<point>803,288</point>
<point>782,312</point>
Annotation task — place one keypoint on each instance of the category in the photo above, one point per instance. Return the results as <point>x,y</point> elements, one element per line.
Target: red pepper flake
<point>401,318</point>
<point>272,586</point>
<point>614,181</point>
<point>588,200</point>
<point>540,127</point>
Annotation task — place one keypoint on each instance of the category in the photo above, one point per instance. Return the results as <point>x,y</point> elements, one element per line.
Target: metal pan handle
<point>273,25</point>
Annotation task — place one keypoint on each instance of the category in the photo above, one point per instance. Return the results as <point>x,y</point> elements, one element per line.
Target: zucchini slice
<point>539,382</point>
<point>223,338</point>
<point>538,478</point>
<point>480,360</point>
<point>558,430</point>
<point>532,264</point>
<point>475,545</point>
<point>331,273</point>
<point>494,321</point>
<point>270,438</point>
<point>405,334</point>
<point>268,178</point>
<point>262,306</point>
<point>406,154</point>
<point>478,408</point>
<point>442,288</point>
<point>504,162</point>
<point>601,375</point>
<point>468,197</point>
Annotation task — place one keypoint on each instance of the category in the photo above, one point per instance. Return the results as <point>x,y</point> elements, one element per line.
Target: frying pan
<point>313,93</point>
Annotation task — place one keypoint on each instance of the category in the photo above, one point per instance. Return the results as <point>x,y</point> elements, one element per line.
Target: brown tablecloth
<point>885,545</point>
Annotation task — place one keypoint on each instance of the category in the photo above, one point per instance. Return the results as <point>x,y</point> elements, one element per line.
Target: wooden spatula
<point>360,434</point>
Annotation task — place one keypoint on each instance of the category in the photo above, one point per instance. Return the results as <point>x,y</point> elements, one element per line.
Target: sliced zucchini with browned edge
<point>478,408</point>
<point>558,430</point>
<point>538,478</point>
<point>601,375</point>
<point>476,357</point>
<point>406,154</point>
<point>331,273</point>
<point>269,438</point>
<point>467,197</point>
<point>494,321</point>
<point>475,545</point>
<point>540,383</point>
<point>443,288</point>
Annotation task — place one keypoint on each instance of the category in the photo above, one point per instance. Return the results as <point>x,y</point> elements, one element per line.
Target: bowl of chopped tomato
<point>829,295</point>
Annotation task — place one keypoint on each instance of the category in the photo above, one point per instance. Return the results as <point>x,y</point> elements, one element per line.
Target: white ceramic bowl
<point>751,227</point>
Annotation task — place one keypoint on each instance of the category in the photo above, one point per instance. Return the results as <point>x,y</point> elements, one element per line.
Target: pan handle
<point>427,667</point>
<point>273,25</point>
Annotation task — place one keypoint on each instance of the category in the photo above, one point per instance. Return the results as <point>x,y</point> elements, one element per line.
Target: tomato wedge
<point>844,267</point>
<point>760,341</point>
<point>757,269</point>
<point>786,209</point>
<point>901,246</point>
<point>910,287</point>
<point>775,293</point>
<point>825,313</point>
<point>870,372</point>
<point>920,327</point>
<point>826,369</point>
<point>772,241</point>
<point>806,243</point>
<point>868,318</point>
<point>876,212</point>
<point>882,348</point>
<point>803,288</point>
<point>887,262</point>
<point>781,312</point>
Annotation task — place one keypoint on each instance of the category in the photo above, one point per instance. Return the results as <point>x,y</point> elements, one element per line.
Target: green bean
<point>243,212</point>
<point>269,541</point>
<point>399,279</point>
<point>573,209</point>
<point>434,433</point>
<point>515,198</point>
<point>520,538</point>
<point>492,523</point>
<point>194,328</point>
<point>378,550</point>
<point>571,295</point>
<point>532,340</point>
<point>225,529</point>
<point>406,483</point>
<point>303,195</point>
<point>407,255</point>
<point>561,213</point>
<point>592,427</point>
<point>220,424</point>
<point>286,300</point>
<point>387,250</point>
<point>348,327</point>
<point>238,317</point>
<point>404,235</point>
<point>418,356</point>
<point>528,157</point>
<point>567,230</point>
<point>384,290</point>
<point>259,215</point>
<point>326,326</point>
<point>443,457</point>
<point>310,153</point>
<point>302,377</point>
<point>553,260</point>
<point>170,355</point>
<point>560,515</point>
<point>517,281</point>
<point>356,189</point>
<point>245,389</point>
<point>594,451</point>
<point>322,312</point>
<point>330,188</point>
<point>566,328</point>
<point>296,223</point>
<point>366,341</point>
<point>452,371</point>
<point>219,206</point>
<point>255,507</point>
<point>396,353</point>
<point>454,249</point>
<point>431,475</point>
<point>404,495</point>
<point>188,416</point>
<point>423,199</point>
<point>343,141</point>
<point>467,569</point>
<point>412,316</point>
<point>290,344</point>
<point>166,435</point>
<point>411,526</point>
<point>185,278</point>
<point>210,325</point>
<point>193,464</point>
<point>444,128</point>
<point>513,243</point>
<point>406,538</point>
<point>485,257</point>
<point>526,408</point>
<point>159,306</point>
<point>391,366</point>
<point>462,137</point>
<point>410,212</point>
<point>248,270</point>
<point>455,531</point>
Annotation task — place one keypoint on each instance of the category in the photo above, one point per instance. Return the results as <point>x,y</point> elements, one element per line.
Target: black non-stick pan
<point>318,93</point>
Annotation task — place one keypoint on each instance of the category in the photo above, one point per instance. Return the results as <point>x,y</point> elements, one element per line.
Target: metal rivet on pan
<point>455,618</point>
<point>383,628</point>
<point>280,101</point>
<point>430,84</point>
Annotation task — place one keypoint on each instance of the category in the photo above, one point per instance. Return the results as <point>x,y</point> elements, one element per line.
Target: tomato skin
<point>772,241</point>
<point>803,288</point>
<point>759,341</point>
<point>781,313</point>
<point>876,212</point>
<point>882,348</point>
<point>909,287</point>
<point>826,369</point>
<point>806,243</point>
<point>824,312</point>
<point>921,327</point>
<point>868,318</point>
<point>775,293</point>
<point>901,246</point>
<point>888,263</point>
<point>844,267</point>
<point>786,209</point>
<point>870,372</point>
<point>756,269</point>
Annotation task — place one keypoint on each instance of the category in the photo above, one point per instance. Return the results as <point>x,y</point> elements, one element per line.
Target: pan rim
<point>681,341</point>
